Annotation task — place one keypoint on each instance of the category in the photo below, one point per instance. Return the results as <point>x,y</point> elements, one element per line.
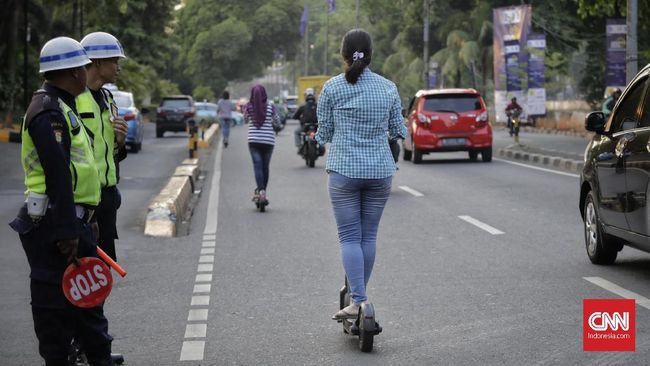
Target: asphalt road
<point>446,291</point>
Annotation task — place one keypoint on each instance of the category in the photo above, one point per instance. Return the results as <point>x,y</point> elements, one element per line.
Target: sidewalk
<point>562,150</point>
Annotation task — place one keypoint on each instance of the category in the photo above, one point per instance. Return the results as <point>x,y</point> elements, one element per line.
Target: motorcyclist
<point>513,109</point>
<point>306,114</point>
<point>610,101</point>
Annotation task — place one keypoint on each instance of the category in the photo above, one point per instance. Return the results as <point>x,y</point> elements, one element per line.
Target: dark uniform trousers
<point>56,321</point>
<point>106,215</point>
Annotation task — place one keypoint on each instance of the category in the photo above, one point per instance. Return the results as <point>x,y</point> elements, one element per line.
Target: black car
<point>174,114</point>
<point>614,184</point>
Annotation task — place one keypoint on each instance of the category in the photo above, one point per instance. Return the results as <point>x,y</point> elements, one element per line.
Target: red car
<point>440,120</point>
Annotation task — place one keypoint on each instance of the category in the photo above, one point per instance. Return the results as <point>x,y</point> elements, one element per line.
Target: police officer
<point>108,131</point>
<point>62,189</point>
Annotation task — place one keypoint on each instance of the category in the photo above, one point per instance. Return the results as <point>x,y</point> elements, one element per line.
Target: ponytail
<point>356,49</point>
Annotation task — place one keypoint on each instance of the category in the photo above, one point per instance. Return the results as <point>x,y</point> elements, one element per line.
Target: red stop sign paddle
<point>88,284</point>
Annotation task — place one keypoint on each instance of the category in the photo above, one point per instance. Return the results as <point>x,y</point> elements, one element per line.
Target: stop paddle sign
<point>88,284</point>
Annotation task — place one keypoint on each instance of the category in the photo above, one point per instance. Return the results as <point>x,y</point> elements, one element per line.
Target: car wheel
<point>601,247</point>
<point>486,154</point>
<point>417,155</point>
<point>159,133</point>
<point>473,155</point>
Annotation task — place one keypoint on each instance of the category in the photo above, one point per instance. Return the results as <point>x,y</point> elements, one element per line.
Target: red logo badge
<point>89,284</point>
<point>608,325</point>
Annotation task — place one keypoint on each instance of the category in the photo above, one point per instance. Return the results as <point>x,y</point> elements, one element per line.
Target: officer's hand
<point>69,249</point>
<point>121,128</point>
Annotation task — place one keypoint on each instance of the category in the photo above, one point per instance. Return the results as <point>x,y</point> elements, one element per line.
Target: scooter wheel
<point>366,334</point>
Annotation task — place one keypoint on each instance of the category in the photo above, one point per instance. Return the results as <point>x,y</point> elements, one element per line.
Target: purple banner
<point>536,49</point>
<point>510,24</point>
<point>513,72</point>
<point>615,57</point>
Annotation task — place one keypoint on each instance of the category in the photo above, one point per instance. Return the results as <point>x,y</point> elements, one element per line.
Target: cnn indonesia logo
<point>608,325</point>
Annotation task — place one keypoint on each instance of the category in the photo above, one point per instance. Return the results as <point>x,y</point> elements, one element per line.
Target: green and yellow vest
<point>99,124</point>
<point>85,180</point>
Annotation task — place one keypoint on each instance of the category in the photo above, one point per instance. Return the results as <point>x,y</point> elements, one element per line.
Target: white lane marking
<point>208,244</point>
<point>620,291</point>
<point>212,218</point>
<point>538,168</point>
<point>196,330</point>
<point>206,259</point>
<point>209,237</point>
<point>197,315</point>
<point>411,191</point>
<point>192,350</point>
<point>200,300</point>
<point>481,225</point>
<point>207,250</point>
<point>202,288</point>
<point>203,277</point>
<point>205,267</point>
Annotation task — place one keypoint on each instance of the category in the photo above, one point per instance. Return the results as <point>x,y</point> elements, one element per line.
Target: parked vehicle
<point>132,116</point>
<point>447,120</point>
<point>292,104</point>
<point>174,114</point>
<point>206,113</point>
<point>238,117</point>
<point>615,180</point>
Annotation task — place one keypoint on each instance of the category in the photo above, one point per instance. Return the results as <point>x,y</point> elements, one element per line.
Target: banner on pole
<point>511,28</point>
<point>615,73</point>
<point>536,96</point>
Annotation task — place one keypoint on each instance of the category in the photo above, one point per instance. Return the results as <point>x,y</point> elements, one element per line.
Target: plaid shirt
<point>358,119</point>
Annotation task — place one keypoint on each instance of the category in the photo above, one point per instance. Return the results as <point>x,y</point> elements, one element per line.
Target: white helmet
<point>102,45</point>
<point>309,91</point>
<point>62,53</point>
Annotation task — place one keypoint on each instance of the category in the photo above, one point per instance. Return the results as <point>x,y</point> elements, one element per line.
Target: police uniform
<point>57,158</point>
<point>95,108</point>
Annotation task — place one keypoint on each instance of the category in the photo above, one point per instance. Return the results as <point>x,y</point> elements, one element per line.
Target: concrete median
<point>168,207</point>
<point>567,164</point>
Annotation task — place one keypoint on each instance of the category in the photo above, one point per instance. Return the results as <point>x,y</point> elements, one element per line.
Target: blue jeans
<point>358,205</point>
<point>225,127</point>
<point>261,154</point>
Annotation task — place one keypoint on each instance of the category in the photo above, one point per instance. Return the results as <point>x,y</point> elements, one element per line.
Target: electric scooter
<point>364,326</point>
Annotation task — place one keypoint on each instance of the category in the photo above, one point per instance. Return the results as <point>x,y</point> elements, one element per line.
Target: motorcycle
<point>514,122</point>
<point>310,149</point>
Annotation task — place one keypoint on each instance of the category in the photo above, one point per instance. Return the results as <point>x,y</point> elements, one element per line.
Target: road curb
<point>167,208</point>
<point>571,165</point>
<point>209,136</point>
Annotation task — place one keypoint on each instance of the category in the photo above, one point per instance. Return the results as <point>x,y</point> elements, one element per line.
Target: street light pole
<point>357,16</point>
<point>425,56</point>
<point>327,33</point>
<point>631,57</point>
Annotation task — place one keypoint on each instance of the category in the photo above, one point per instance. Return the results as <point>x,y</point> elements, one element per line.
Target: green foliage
<point>203,92</point>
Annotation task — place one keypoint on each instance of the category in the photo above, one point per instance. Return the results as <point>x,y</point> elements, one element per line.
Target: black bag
<point>309,113</point>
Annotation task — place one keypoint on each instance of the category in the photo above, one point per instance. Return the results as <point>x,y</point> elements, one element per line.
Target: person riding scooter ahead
<point>513,110</point>
<point>306,114</point>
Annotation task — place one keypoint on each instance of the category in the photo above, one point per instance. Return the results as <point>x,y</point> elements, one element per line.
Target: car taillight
<point>161,113</point>
<point>422,118</point>
<point>189,114</point>
<point>129,116</point>
<point>482,118</point>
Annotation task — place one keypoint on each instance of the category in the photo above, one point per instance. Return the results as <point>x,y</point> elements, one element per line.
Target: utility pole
<point>425,56</point>
<point>26,40</point>
<point>327,33</point>
<point>631,57</point>
<point>357,16</point>
<point>306,68</point>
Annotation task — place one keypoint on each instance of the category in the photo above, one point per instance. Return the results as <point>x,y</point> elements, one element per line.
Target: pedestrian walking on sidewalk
<point>260,116</point>
<point>357,111</point>
<point>224,113</point>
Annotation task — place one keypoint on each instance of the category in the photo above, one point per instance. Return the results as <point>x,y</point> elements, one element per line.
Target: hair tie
<point>356,56</point>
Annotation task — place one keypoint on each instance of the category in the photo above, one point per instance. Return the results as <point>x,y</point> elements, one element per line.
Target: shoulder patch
<point>73,120</point>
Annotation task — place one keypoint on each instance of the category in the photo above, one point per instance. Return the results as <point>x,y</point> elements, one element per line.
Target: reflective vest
<point>85,179</point>
<point>99,124</point>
